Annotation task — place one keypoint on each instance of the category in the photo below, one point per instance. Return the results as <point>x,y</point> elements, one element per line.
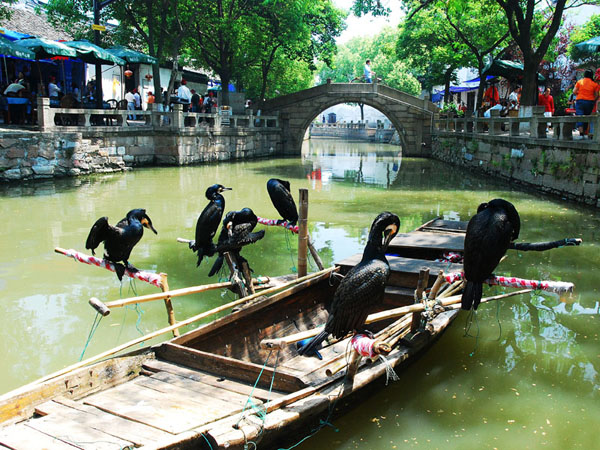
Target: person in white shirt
<point>130,104</point>
<point>367,71</point>
<point>184,94</point>
<point>53,89</point>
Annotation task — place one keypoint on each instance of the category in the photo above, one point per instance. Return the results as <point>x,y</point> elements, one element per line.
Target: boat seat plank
<point>231,367</point>
<point>128,430</point>
<point>405,271</point>
<point>206,396</point>
<point>226,384</point>
<point>76,432</point>
<point>22,437</point>
<point>153,408</point>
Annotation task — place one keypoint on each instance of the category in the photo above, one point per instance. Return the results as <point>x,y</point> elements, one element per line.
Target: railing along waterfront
<point>59,118</point>
<point>534,127</point>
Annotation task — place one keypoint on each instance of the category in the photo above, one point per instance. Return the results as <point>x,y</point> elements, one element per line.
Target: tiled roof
<point>28,22</point>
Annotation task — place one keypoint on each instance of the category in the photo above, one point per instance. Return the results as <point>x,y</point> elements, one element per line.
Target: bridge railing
<point>82,119</point>
<point>535,127</point>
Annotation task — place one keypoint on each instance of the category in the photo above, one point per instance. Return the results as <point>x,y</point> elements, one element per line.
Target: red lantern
<point>148,77</point>
<point>128,73</point>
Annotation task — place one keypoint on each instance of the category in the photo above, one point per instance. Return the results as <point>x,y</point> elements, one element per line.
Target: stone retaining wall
<point>32,154</point>
<point>569,170</point>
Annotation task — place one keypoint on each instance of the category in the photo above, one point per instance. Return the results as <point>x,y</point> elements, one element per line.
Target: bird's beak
<point>225,189</point>
<point>148,224</point>
<point>389,233</point>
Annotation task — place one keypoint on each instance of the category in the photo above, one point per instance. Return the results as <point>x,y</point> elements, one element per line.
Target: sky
<point>368,25</point>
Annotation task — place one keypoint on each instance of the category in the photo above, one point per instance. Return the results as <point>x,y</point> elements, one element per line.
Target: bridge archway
<point>411,116</point>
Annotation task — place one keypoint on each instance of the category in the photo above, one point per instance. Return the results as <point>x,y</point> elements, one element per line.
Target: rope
<point>148,277</point>
<point>278,223</point>
<point>95,324</point>
<point>293,269</point>
<point>544,285</point>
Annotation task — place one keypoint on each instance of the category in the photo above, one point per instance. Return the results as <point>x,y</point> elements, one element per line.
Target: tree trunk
<point>482,85</point>
<point>174,72</point>
<point>362,111</point>
<point>529,96</point>
<point>225,79</point>
<point>447,77</point>
<point>157,86</point>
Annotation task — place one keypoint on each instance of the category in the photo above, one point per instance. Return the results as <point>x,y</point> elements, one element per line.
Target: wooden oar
<point>171,328</point>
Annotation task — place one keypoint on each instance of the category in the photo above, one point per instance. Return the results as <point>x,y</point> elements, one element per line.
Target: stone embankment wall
<point>33,154</point>
<point>569,170</point>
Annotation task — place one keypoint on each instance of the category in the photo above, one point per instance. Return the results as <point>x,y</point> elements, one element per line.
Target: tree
<point>292,31</point>
<point>5,11</point>
<point>582,33</point>
<point>159,26</point>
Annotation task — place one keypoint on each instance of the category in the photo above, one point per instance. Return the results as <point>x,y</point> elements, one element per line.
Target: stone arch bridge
<point>411,116</point>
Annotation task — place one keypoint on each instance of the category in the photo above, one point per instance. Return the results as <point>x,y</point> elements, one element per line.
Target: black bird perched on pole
<point>236,233</point>
<point>489,234</point>
<point>119,240</point>
<point>208,222</point>
<point>362,289</point>
<point>279,191</point>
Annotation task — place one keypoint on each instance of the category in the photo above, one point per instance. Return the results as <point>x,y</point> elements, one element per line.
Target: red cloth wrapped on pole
<point>148,277</point>
<point>363,345</point>
<point>274,223</point>
<point>544,285</point>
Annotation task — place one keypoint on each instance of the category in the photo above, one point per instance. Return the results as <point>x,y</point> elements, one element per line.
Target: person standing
<point>53,89</point>
<point>137,99</point>
<point>130,104</point>
<point>184,94</point>
<point>514,98</point>
<point>150,99</point>
<point>76,93</point>
<point>367,71</point>
<point>195,101</point>
<point>547,101</point>
<point>586,95</point>
<point>491,96</point>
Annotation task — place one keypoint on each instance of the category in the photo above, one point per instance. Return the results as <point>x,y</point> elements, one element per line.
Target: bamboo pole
<point>315,255</point>
<point>164,286</point>
<point>183,323</point>
<point>421,285</point>
<point>303,233</point>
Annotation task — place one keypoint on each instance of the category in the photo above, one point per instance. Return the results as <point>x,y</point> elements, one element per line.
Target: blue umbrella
<point>590,46</point>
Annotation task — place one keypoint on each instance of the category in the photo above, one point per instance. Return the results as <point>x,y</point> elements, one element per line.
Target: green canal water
<point>526,376</point>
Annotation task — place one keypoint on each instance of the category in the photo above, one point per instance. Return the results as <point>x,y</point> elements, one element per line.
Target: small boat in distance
<point>239,378</point>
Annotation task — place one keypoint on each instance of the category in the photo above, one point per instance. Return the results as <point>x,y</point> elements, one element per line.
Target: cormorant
<point>489,234</point>
<point>208,222</point>
<point>236,233</point>
<point>362,289</point>
<point>279,191</point>
<point>119,240</point>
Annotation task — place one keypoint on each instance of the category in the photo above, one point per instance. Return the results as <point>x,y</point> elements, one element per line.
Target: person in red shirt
<point>547,101</point>
<point>491,96</point>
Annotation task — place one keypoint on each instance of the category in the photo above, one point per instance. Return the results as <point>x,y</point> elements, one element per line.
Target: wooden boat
<point>229,382</point>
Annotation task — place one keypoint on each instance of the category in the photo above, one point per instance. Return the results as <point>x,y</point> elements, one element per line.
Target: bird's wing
<point>101,230</point>
<point>359,293</point>
<point>283,202</point>
<point>207,224</point>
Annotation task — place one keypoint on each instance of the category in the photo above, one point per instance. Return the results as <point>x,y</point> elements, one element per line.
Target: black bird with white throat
<point>362,289</point>
<point>120,239</point>
<point>489,234</point>
<point>208,222</point>
<point>281,197</point>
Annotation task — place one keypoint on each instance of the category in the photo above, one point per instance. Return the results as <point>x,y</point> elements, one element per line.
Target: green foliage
<point>450,107</point>
<point>349,62</point>
<point>5,11</point>
<point>582,33</point>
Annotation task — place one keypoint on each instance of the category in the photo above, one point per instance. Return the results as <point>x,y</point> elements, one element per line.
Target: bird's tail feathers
<point>216,266</point>
<point>471,295</point>
<point>200,256</point>
<point>119,270</point>
<point>311,348</point>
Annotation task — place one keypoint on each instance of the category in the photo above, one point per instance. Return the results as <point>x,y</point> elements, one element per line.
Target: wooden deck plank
<point>426,240</point>
<point>229,397</point>
<point>206,399</point>
<point>21,437</point>
<point>212,380</point>
<point>152,408</point>
<point>76,432</point>
<point>128,430</point>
